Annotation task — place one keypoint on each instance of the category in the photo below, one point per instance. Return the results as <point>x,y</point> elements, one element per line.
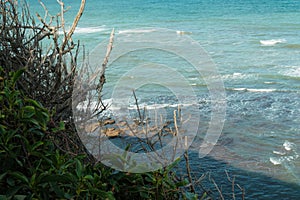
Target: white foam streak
<point>254,90</point>
<point>276,161</point>
<point>80,30</point>
<point>292,71</point>
<point>271,42</point>
<point>236,76</point>
<point>183,32</point>
<point>136,31</point>
<point>83,106</point>
<point>288,145</point>
<point>279,153</point>
<point>87,30</point>
<point>288,154</point>
<point>261,90</point>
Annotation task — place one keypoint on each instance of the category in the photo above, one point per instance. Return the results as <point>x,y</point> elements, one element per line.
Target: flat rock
<point>109,121</point>
<point>112,132</point>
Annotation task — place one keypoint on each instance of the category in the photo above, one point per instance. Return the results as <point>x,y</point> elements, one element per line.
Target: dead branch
<point>100,105</point>
<point>74,25</point>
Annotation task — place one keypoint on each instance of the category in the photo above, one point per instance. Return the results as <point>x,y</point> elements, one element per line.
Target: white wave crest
<point>96,29</point>
<point>292,71</point>
<point>87,30</point>
<point>287,154</point>
<point>289,145</point>
<point>183,32</point>
<point>136,31</point>
<point>254,90</point>
<point>236,76</point>
<point>279,153</point>
<point>271,42</point>
<point>276,161</point>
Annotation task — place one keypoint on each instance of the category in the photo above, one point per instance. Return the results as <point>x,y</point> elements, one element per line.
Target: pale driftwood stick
<point>175,123</point>
<point>45,9</point>
<point>74,25</point>
<point>102,76</point>
<point>62,20</point>
<point>109,48</point>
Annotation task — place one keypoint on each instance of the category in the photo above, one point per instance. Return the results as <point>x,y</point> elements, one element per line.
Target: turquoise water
<point>256,48</point>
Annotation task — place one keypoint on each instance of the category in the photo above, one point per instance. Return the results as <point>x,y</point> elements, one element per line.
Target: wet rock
<point>112,132</point>
<point>109,121</point>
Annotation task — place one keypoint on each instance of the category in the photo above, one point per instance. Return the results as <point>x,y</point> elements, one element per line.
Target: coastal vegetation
<point>41,155</point>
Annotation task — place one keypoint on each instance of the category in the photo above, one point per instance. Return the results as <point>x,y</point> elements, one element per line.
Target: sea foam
<point>271,42</point>
<point>96,29</point>
<point>87,30</point>
<point>292,71</point>
<point>254,90</point>
<point>128,31</point>
<point>288,153</point>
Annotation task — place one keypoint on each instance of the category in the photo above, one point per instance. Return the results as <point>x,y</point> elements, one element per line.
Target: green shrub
<point>32,167</point>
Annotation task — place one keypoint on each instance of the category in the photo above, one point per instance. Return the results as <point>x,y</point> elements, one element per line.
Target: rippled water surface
<point>256,48</point>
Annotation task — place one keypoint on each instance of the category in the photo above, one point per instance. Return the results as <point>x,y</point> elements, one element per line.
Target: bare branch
<point>74,25</point>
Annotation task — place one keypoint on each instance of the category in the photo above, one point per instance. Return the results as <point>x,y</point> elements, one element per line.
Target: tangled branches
<point>50,71</point>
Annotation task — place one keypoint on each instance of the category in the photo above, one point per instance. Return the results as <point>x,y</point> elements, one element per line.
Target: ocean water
<point>255,46</point>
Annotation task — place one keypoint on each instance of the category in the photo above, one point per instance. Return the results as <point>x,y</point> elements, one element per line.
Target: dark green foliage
<point>32,167</point>
<point>30,164</point>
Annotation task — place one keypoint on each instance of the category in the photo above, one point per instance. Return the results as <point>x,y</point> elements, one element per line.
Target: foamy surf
<point>183,33</point>
<point>253,90</point>
<point>91,105</point>
<point>292,71</point>
<point>288,145</point>
<point>237,76</point>
<point>288,153</point>
<point>80,30</point>
<point>271,42</point>
<point>87,30</point>
<point>129,31</point>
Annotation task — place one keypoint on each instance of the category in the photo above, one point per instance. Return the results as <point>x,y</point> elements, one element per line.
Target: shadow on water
<point>256,185</point>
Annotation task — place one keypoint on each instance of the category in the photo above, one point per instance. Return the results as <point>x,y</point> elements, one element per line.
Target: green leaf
<point>172,165</point>
<point>20,176</point>
<point>89,177</point>
<point>32,180</point>
<point>182,183</point>
<point>61,126</point>
<point>79,168</point>
<point>144,195</point>
<point>10,181</point>
<point>34,103</point>
<point>12,191</point>
<point>190,196</point>
<point>28,111</point>
<point>58,191</point>
<point>56,178</point>
<point>36,145</point>
<point>203,196</point>
<point>3,175</point>
<point>17,75</point>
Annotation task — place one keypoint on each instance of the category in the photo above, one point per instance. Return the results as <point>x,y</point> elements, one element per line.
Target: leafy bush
<point>32,167</point>
<point>30,163</point>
